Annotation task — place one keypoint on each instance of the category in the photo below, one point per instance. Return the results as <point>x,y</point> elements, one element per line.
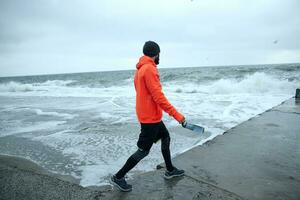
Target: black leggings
<point>150,133</point>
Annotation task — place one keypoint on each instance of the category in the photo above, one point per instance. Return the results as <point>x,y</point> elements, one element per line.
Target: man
<point>150,102</point>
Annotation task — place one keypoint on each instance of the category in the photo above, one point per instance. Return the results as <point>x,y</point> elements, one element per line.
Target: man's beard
<point>156,60</point>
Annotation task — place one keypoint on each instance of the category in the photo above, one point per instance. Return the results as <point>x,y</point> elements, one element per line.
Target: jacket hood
<point>145,60</point>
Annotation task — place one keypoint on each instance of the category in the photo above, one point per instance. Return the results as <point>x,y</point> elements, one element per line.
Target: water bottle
<point>193,127</point>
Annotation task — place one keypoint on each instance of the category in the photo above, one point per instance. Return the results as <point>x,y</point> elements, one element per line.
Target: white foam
<point>214,133</point>
<point>107,116</point>
<point>58,88</point>
<point>40,112</point>
<point>101,153</point>
<point>15,87</point>
<point>56,114</point>
<point>257,83</point>
<point>33,127</point>
<point>96,174</point>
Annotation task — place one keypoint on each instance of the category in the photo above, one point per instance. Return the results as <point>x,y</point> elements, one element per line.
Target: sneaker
<point>174,173</point>
<point>121,184</point>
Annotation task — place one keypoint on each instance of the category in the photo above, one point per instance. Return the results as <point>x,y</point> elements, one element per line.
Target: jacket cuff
<point>179,117</point>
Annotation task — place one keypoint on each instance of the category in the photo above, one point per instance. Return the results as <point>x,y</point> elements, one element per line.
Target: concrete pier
<point>258,159</point>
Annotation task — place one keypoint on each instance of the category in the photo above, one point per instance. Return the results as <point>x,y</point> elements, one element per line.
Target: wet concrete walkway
<point>258,159</point>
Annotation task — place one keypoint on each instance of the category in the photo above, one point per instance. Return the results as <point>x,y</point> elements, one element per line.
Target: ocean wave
<point>55,83</point>
<point>13,86</point>
<point>256,83</point>
<point>16,87</point>
<point>59,88</point>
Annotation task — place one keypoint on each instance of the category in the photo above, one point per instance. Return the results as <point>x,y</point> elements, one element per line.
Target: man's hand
<point>183,123</point>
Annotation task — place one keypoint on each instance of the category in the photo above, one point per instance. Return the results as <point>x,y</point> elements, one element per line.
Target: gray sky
<point>52,36</point>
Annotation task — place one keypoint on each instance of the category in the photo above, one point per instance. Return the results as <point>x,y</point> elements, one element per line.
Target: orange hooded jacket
<point>150,100</point>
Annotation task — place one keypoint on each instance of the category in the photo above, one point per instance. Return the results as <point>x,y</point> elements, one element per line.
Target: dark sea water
<point>84,124</point>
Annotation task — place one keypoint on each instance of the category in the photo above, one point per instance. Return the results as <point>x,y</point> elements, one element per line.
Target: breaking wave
<point>56,88</point>
<point>259,83</point>
<point>13,86</point>
<point>255,83</point>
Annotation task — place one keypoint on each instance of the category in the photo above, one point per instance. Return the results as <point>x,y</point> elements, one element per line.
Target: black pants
<point>150,133</point>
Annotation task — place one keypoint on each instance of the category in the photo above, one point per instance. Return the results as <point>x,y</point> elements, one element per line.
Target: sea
<point>85,125</point>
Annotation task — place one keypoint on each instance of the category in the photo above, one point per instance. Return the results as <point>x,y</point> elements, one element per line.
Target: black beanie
<point>151,49</point>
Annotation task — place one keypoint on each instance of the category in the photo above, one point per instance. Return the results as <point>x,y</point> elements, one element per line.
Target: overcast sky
<point>52,36</point>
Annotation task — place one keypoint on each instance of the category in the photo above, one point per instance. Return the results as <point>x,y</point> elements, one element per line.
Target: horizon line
<point>79,72</point>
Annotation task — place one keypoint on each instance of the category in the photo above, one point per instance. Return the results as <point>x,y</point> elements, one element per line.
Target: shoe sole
<point>176,175</point>
<point>115,184</point>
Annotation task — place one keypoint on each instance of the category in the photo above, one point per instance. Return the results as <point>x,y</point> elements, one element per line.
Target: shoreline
<point>21,163</point>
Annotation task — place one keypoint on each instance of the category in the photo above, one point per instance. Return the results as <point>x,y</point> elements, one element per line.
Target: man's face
<point>156,60</point>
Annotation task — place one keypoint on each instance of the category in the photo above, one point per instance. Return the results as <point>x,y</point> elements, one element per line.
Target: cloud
<point>281,56</point>
<point>39,36</point>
